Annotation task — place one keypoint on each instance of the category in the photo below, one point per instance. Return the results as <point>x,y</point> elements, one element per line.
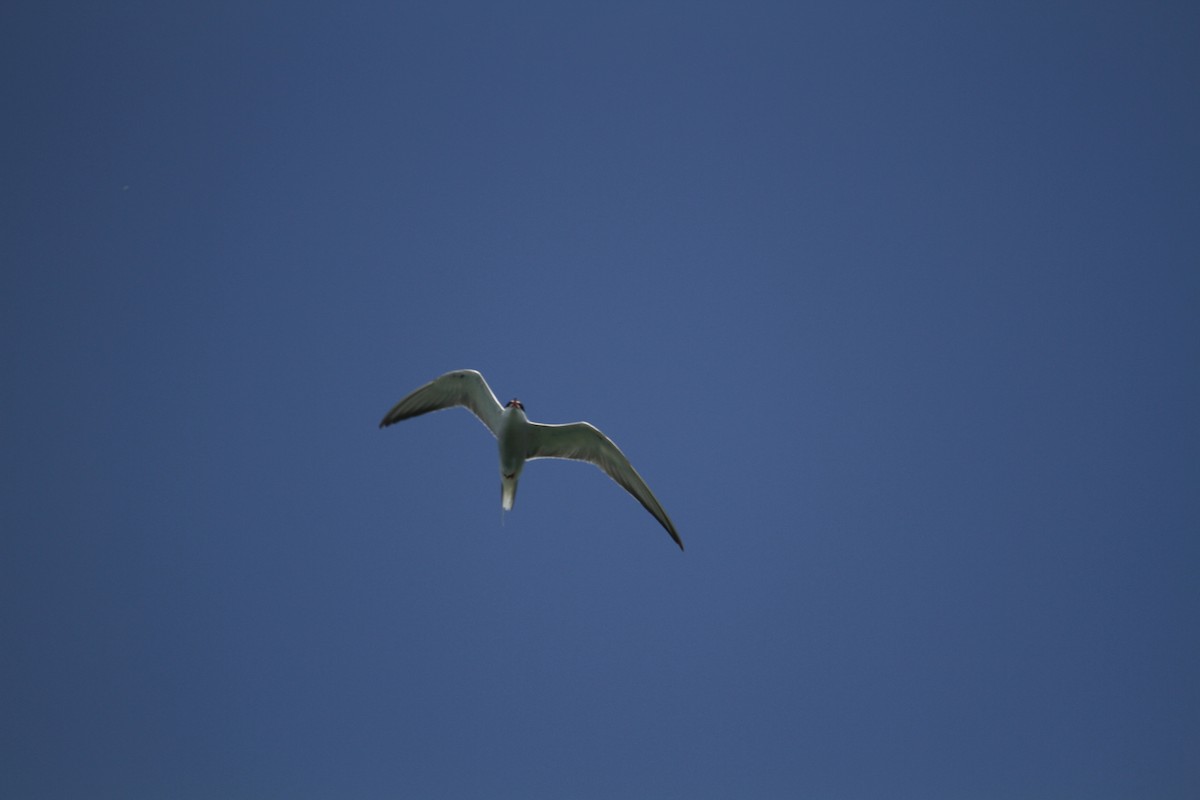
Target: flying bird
<point>521,440</point>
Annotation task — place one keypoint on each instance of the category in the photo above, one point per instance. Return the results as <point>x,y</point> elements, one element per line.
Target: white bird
<point>521,440</point>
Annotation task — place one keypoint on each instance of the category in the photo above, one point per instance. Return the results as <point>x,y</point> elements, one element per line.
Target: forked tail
<point>508,491</point>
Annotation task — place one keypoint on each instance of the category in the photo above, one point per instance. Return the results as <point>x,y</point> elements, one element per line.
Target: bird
<point>520,440</point>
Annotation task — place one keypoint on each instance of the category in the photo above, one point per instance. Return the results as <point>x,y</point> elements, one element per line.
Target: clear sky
<point>895,306</point>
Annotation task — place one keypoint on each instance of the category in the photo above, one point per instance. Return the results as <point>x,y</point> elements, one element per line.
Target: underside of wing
<point>581,441</point>
<point>464,387</point>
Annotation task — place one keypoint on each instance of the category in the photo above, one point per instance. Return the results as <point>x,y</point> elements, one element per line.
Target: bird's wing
<point>464,387</point>
<point>581,441</point>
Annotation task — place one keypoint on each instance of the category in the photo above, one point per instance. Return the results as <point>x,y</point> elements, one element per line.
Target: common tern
<point>521,440</point>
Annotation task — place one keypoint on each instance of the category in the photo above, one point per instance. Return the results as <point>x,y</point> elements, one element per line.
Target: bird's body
<point>513,440</point>
<point>520,440</point>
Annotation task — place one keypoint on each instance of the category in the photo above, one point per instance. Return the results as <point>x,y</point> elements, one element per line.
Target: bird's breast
<point>513,440</point>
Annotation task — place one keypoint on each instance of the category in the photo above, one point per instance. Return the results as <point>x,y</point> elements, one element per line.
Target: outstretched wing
<point>581,441</point>
<point>464,387</point>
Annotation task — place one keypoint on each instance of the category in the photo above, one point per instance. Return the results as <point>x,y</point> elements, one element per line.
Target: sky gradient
<point>896,309</point>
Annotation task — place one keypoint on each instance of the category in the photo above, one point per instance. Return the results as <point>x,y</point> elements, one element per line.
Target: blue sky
<point>896,308</point>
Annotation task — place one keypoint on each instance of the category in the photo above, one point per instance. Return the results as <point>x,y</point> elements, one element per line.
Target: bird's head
<point>515,403</point>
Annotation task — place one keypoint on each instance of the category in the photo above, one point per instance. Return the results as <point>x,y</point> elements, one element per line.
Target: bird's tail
<point>508,491</point>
